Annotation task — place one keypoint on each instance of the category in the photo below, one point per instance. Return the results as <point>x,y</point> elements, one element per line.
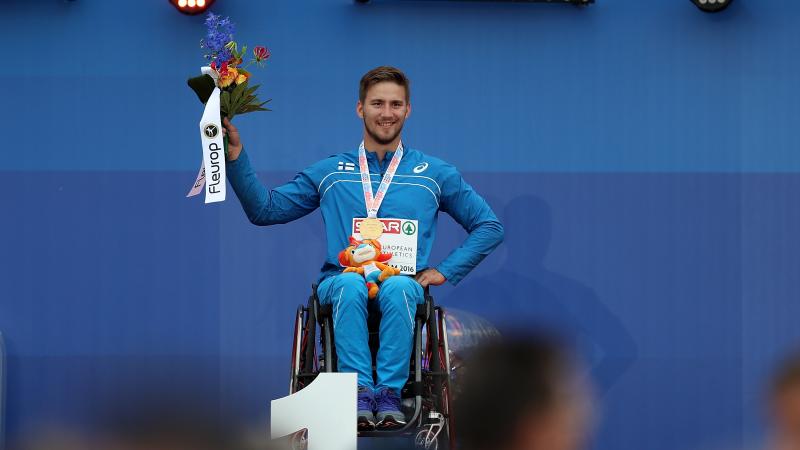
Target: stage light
<point>191,7</point>
<point>712,5</point>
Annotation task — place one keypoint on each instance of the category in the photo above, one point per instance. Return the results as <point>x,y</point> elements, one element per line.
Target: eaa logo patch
<point>421,168</point>
<point>210,130</point>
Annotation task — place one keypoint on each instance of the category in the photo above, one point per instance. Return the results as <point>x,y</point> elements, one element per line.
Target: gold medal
<point>371,228</point>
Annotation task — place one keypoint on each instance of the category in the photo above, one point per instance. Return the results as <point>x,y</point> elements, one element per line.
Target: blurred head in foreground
<point>145,417</point>
<point>523,394</point>
<point>784,404</point>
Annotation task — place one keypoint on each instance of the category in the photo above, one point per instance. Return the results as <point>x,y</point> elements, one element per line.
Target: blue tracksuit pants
<point>397,301</point>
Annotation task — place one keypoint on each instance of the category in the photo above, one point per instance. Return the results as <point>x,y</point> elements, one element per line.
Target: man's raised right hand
<point>234,143</point>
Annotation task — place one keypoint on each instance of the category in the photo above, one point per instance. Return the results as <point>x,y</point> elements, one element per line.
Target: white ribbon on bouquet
<point>212,169</point>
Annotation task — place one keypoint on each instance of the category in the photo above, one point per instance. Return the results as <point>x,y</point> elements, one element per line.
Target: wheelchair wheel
<point>296,350</point>
<point>304,349</point>
<point>446,393</point>
<point>422,440</point>
<point>438,432</point>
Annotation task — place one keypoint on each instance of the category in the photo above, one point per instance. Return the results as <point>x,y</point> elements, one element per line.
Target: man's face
<point>384,111</point>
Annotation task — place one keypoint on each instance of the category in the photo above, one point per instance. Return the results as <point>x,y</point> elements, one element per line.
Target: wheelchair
<point>426,396</point>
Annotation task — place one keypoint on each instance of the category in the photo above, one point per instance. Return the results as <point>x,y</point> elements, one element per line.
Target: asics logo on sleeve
<point>421,168</point>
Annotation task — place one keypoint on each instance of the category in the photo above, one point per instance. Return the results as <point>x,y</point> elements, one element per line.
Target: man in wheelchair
<point>397,302</point>
<point>403,219</point>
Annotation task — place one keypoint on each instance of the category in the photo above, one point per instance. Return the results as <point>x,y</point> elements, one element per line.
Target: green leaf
<point>254,107</point>
<point>253,100</point>
<point>236,95</point>
<point>225,102</point>
<point>252,89</point>
<point>241,103</point>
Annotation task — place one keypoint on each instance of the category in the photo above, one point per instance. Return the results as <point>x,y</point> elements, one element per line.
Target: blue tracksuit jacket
<point>422,186</point>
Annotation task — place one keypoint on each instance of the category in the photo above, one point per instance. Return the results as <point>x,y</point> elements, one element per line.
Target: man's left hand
<point>430,277</point>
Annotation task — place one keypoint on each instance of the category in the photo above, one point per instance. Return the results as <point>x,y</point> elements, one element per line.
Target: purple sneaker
<point>366,406</point>
<point>389,414</point>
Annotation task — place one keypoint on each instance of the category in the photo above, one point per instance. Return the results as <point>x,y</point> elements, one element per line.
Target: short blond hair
<point>381,74</point>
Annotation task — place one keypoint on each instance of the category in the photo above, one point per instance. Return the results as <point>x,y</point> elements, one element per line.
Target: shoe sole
<point>390,422</point>
<point>365,425</point>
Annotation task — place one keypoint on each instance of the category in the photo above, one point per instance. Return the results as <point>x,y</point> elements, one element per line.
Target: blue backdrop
<point>642,155</point>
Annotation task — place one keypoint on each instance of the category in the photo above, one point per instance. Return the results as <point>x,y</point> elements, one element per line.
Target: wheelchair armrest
<point>324,311</point>
<point>422,311</point>
<point>321,312</point>
<point>425,309</point>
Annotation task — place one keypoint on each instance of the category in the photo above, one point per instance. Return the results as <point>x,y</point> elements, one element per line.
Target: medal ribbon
<point>374,203</point>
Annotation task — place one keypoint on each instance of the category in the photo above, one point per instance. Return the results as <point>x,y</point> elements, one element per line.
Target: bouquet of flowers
<point>225,91</point>
<point>226,61</point>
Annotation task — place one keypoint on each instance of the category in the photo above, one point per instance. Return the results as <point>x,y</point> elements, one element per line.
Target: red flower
<point>261,53</point>
<point>223,70</point>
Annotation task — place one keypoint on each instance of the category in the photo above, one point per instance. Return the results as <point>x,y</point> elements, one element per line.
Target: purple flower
<point>226,27</point>
<point>219,33</point>
<point>215,41</point>
<point>223,56</point>
<point>212,20</point>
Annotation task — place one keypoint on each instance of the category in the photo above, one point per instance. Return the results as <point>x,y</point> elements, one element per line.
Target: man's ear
<point>360,109</point>
<point>408,111</point>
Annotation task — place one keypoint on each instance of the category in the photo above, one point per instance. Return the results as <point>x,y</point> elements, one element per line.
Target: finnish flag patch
<point>347,166</point>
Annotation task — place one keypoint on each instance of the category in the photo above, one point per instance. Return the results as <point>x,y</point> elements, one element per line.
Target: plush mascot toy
<point>365,258</point>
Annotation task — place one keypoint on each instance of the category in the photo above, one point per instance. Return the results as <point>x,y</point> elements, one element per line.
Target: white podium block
<point>326,408</point>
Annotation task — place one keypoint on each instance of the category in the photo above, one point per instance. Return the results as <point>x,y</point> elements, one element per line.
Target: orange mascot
<point>365,258</point>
